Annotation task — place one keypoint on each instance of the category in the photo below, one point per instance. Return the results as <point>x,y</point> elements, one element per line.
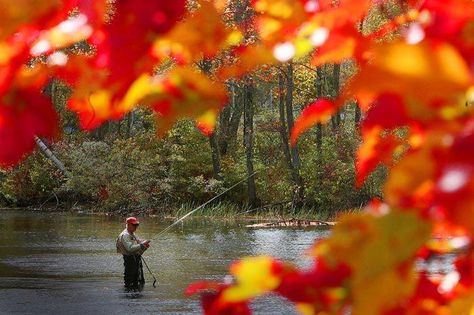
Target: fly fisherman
<point>131,247</point>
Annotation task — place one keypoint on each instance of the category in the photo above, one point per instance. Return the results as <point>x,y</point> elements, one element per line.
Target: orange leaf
<point>448,16</point>
<point>401,69</point>
<point>279,19</point>
<point>355,9</point>
<point>23,13</point>
<point>13,54</point>
<point>340,45</point>
<point>343,15</point>
<point>249,59</point>
<point>375,149</point>
<point>101,82</point>
<point>404,189</point>
<point>319,111</point>
<point>436,176</point>
<point>201,35</point>
<point>463,304</point>
<point>94,110</point>
<point>181,93</point>
<point>124,43</point>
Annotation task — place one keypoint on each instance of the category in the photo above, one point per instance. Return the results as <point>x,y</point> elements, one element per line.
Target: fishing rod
<point>191,212</point>
<point>146,265</point>
<point>201,206</point>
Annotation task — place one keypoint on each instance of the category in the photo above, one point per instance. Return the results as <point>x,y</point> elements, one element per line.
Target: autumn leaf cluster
<point>414,85</point>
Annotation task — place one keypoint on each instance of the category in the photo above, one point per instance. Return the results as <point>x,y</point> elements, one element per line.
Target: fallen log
<point>292,223</point>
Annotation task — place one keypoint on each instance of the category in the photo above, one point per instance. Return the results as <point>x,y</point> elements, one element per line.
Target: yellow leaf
<point>283,9</point>
<point>279,18</point>
<point>17,13</point>
<point>6,52</point>
<point>182,92</point>
<point>254,276</point>
<point>381,292</point>
<point>250,58</point>
<point>207,122</point>
<point>139,90</point>
<point>401,184</point>
<point>305,309</point>
<point>463,305</point>
<point>382,276</point>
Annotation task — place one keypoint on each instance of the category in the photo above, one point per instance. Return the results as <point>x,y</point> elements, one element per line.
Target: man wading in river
<point>132,248</point>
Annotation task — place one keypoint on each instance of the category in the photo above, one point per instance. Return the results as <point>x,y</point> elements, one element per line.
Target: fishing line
<point>190,213</point>
<point>201,206</point>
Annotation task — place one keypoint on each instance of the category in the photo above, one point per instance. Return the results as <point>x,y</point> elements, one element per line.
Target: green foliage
<point>150,174</point>
<point>190,164</point>
<point>30,182</point>
<point>330,177</point>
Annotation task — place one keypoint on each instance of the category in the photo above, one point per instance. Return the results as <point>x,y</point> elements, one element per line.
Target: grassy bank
<point>218,211</point>
<point>226,211</point>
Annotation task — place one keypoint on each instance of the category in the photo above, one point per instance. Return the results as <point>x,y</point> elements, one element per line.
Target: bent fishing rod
<point>190,213</point>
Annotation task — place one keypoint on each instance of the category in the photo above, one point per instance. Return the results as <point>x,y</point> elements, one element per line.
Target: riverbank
<point>215,212</point>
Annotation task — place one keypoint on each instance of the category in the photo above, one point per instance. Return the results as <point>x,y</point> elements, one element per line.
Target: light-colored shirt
<point>129,244</point>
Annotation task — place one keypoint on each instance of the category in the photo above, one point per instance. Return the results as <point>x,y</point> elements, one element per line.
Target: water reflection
<point>66,264</point>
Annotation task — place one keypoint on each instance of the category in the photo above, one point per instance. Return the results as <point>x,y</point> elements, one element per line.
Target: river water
<point>62,263</point>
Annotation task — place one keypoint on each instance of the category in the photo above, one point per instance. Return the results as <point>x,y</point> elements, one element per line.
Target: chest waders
<point>133,274</point>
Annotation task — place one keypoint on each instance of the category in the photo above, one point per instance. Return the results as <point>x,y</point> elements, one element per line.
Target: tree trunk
<point>336,75</point>
<point>40,143</point>
<point>337,83</point>
<point>319,127</point>
<point>248,142</point>
<point>289,112</point>
<point>130,120</point>
<point>357,115</point>
<point>283,129</point>
<point>216,164</point>
<point>119,128</point>
<point>224,122</point>
<point>50,155</point>
<point>224,119</point>
<point>319,140</point>
<point>205,65</point>
<point>237,112</point>
<point>298,180</point>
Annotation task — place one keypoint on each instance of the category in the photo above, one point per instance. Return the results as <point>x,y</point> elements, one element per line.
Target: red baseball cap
<point>132,220</point>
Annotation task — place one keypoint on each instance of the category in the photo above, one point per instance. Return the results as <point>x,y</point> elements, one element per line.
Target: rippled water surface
<point>67,264</point>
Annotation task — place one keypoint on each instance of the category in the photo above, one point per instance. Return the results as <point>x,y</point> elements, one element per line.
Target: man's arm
<point>127,242</point>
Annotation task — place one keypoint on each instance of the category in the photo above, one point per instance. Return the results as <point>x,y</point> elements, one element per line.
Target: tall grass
<point>230,211</point>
